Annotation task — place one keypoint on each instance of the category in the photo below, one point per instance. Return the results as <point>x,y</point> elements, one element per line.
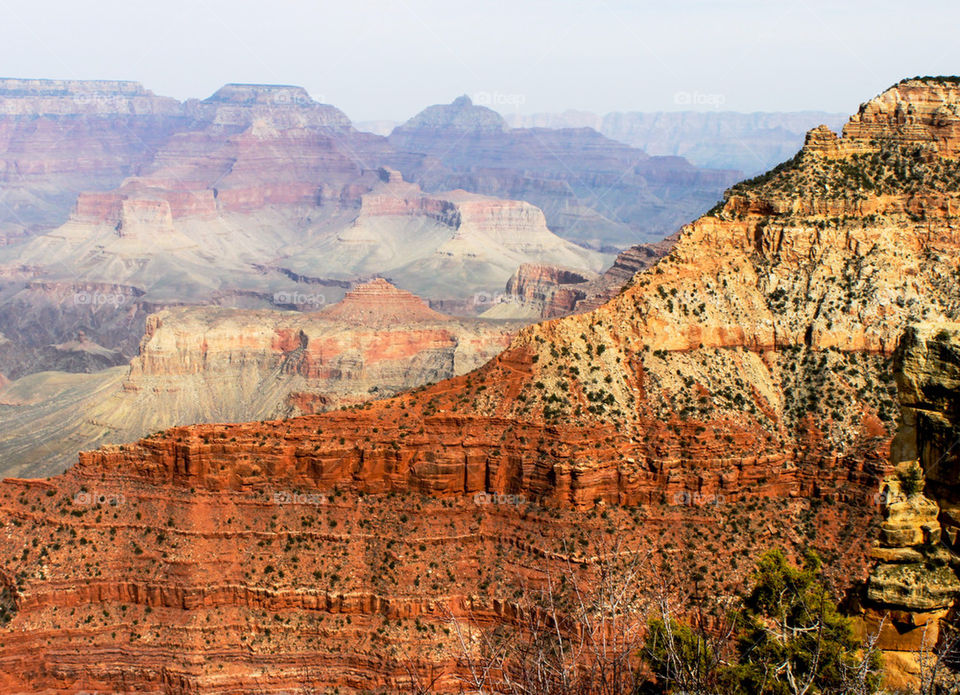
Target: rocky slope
<point>215,364</point>
<point>748,142</point>
<point>592,189</point>
<point>737,395</point>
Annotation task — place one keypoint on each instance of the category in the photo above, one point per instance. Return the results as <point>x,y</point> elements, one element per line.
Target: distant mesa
<point>15,87</point>
<point>244,104</point>
<point>267,94</point>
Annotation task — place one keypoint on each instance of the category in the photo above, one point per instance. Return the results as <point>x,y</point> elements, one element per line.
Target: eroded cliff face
<point>450,244</point>
<point>914,585</point>
<point>376,342</point>
<point>737,395</point>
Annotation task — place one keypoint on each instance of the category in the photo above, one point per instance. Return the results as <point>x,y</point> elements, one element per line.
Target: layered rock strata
<point>59,138</point>
<point>545,291</point>
<point>913,588</point>
<point>737,395</point>
<point>227,365</point>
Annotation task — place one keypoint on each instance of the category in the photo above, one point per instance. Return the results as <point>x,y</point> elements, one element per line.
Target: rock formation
<point>61,137</point>
<point>450,244</point>
<point>914,584</point>
<point>592,189</point>
<point>736,396</point>
<point>216,364</point>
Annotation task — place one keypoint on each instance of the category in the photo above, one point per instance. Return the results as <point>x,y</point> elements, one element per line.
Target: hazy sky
<point>390,59</point>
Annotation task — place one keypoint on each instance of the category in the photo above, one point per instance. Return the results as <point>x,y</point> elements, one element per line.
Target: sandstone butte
<point>736,396</point>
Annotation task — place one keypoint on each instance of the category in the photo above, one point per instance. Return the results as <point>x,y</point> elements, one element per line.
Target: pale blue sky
<point>390,59</point>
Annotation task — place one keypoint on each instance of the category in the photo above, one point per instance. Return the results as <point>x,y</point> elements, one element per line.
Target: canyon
<point>737,394</point>
<point>59,138</point>
<point>117,203</point>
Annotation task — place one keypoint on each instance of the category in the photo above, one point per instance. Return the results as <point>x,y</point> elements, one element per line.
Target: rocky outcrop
<point>920,111</point>
<point>914,584</point>
<point>593,190</point>
<point>735,396</point>
<point>546,291</point>
<point>445,245</point>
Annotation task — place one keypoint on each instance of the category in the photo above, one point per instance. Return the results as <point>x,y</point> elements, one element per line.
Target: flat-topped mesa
<point>268,94</point>
<point>378,302</point>
<point>10,86</point>
<point>500,219</point>
<point>20,97</point>
<point>470,213</point>
<point>135,207</point>
<point>281,106</point>
<point>392,196</point>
